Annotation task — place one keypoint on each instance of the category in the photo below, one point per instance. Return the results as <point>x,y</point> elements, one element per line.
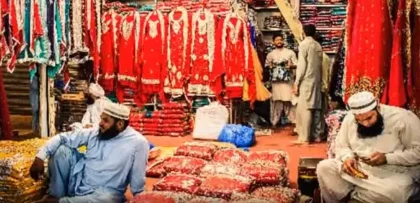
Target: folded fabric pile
<point>274,22</point>
<point>331,39</point>
<point>16,185</point>
<point>218,7</point>
<point>333,121</point>
<point>172,120</point>
<point>263,3</point>
<point>207,172</point>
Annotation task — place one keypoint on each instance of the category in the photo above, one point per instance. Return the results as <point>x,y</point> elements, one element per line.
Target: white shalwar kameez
<point>392,182</point>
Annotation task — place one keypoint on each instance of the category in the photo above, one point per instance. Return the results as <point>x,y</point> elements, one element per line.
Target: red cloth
<point>179,51</point>
<point>184,165</point>
<point>230,157</point>
<point>202,152</point>
<point>5,123</point>
<point>277,194</point>
<point>178,183</point>
<point>264,175</point>
<point>91,34</point>
<point>222,186</point>
<point>153,57</point>
<point>269,157</point>
<point>108,47</point>
<point>395,93</point>
<point>128,70</point>
<point>413,73</point>
<point>369,46</point>
<point>203,32</point>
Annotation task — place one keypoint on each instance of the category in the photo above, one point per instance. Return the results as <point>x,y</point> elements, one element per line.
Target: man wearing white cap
<point>377,154</point>
<point>116,156</point>
<point>95,99</point>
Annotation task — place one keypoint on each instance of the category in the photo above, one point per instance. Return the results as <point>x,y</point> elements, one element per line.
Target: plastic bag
<point>209,121</point>
<point>241,136</point>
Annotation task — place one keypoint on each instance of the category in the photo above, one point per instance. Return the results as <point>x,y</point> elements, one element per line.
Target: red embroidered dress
<point>153,56</point>
<point>413,74</point>
<point>369,46</point>
<point>16,31</point>
<point>108,50</point>
<point>178,51</point>
<point>4,48</point>
<point>202,52</point>
<point>91,33</point>
<point>235,55</point>
<point>128,70</point>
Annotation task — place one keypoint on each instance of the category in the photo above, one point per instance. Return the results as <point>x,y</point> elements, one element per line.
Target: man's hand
<point>37,168</point>
<point>350,166</point>
<point>376,159</point>
<point>48,199</point>
<point>88,126</point>
<point>295,90</point>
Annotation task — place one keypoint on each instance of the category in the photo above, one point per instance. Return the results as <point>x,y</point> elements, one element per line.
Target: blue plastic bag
<point>240,136</point>
<point>151,146</point>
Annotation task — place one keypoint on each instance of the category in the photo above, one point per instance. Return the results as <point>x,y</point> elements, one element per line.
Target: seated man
<point>377,154</point>
<point>95,100</point>
<point>116,156</point>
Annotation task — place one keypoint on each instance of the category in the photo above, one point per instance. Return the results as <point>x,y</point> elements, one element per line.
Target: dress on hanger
<point>178,51</point>
<point>369,37</point>
<point>153,57</point>
<point>5,124</point>
<point>202,53</point>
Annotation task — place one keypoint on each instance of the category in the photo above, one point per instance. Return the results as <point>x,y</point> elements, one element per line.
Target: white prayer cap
<point>96,90</point>
<point>117,110</point>
<point>362,102</point>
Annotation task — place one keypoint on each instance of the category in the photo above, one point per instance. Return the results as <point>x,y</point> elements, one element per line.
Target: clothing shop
<point>238,100</point>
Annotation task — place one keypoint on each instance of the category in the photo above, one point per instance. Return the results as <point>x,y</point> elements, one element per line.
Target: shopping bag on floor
<point>209,121</point>
<point>240,136</point>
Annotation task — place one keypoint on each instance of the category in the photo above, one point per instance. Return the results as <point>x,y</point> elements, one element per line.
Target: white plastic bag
<point>209,121</point>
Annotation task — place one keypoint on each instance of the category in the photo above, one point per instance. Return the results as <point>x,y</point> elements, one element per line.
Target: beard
<point>279,46</point>
<point>108,134</point>
<point>372,131</point>
<point>90,101</point>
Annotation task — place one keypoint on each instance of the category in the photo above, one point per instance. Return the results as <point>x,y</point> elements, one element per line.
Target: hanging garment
<point>5,124</point>
<point>91,33</point>
<point>55,37</point>
<point>202,52</point>
<point>154,62</point>
<point>77,23</point>
<point>413,72</point>
<point>108,50</point>
<point>337,74</point>
<point>4,48</point>
<point>369,37</point>
<point>128,70</point>
<point>16,32</point>
<point>395,92</point>
<point>235,58</point>
<point>178,51</point>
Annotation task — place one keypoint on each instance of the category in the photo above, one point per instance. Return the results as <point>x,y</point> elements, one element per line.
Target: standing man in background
<point>326,67</point>
<point>308,85</point>
<point>281,62</point>
<point>34,99</point>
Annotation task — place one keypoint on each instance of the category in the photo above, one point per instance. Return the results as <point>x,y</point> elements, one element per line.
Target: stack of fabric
<point>274,22</point>
<point>218,7</point>
<point>308,14</point>
<point>208,172</point>
<point>333,121</point>
<point>16,185</point>
<point>331,39</point>
<point>263,3</point>
<point>172,120</point>
<point>338,15</point>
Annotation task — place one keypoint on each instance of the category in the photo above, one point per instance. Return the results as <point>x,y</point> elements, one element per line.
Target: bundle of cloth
<point>210,172</point>
<point>215,6</point>
<point>16,185</point>
<point>172,120</point>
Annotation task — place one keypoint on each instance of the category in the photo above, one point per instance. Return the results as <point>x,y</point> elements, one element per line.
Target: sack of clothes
<point>16,185</point>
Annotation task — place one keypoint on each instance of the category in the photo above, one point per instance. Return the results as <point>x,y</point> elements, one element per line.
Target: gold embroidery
<point>366,84</point>
<point>414,108</point>
<point>407,37</point>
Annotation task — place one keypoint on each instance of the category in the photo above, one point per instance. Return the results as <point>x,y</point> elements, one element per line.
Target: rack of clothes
<point>183,53</point>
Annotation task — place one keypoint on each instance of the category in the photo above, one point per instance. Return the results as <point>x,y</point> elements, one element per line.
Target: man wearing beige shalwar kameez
<point>308,86</point>
<point>380,142</point>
